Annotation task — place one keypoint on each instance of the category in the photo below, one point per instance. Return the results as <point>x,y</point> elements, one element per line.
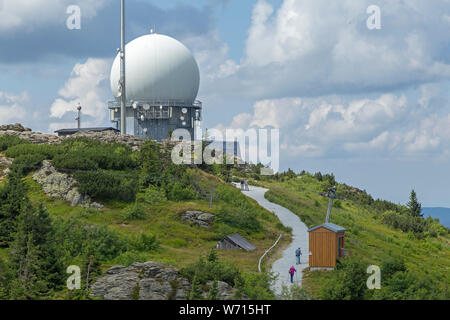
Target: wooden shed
<point>326,245</point>
<point>235,241</point>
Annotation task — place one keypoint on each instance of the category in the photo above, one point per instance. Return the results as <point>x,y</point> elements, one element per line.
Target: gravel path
<point>299,239</point>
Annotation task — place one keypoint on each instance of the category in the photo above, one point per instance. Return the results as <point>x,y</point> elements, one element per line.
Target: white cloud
<point>332,127</point>
<point>30,14</point>
<point>11,107</point>
<point>321,47</point>
<point>87,85</point>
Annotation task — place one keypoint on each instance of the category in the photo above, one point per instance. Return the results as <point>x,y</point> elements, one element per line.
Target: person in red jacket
<point>292,271</point>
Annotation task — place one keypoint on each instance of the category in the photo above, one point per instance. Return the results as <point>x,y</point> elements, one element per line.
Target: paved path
<point>299,239</point>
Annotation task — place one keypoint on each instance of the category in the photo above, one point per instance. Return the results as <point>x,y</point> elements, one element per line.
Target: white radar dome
<point>157,68</point>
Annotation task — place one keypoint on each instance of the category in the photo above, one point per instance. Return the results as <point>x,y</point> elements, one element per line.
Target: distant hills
<point>443,214</point>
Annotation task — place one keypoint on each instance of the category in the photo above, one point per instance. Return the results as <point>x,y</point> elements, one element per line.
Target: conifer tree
<point>34,256</point>
<point>415,207</point>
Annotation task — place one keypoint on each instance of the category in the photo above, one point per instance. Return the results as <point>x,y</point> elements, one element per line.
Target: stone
<point>61,186</point>
<point>150,281</point>
<point>199,218</point>
<point>143,281</point>
<point>14,127</point>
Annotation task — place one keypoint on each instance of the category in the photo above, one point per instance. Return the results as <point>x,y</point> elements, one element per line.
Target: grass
<point>366,237</point>
<point>181,242</point>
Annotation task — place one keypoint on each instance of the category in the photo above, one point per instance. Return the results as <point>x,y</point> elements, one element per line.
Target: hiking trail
<point>299,239</point>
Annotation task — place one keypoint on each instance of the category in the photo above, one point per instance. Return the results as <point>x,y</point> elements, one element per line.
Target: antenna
<point>122,84</point>
<point>79,116</point>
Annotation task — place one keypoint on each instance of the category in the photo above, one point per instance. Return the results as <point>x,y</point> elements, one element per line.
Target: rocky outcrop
<point>61,186</point>
<point>150,281</point>
<point>110,136</point>
<point>202,219</point>
<point>42,138</point>
<point>4,167</point>
<point>142,281</point>
<point>14,127</point>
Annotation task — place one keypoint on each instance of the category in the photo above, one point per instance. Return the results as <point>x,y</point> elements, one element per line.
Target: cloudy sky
<point>371,106</point>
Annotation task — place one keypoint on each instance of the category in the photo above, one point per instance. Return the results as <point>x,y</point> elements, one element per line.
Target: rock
<point>143,281</point>
<point>225,291</point>
<point>61,186</point>
<point>4,167</point>
<point>14,127</point>
<point>202,219</point>
<point>42,138</point>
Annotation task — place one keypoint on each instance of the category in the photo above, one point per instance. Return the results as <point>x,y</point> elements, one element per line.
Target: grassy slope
<point>366,236</point>
<point>181,243</point>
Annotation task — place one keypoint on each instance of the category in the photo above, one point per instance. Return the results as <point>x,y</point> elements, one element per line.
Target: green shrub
<point>239,218</point>
<point>74,161</point>
<point>134,211</point>
<point>7,141</point>
<point>45,150</point>
<point>348,281</point>
<point>24,164</point>
<point>177,243</point>
<point>78,239</point>
<point>178,191</point>
<point>144,243</point>
<point>211,269</point>
<point>154,196</point>
<point>129,257</point>
<point>101,185</point>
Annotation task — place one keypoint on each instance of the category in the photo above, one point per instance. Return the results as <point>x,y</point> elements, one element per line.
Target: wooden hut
<point>326,245</point>
<point>235,241</point>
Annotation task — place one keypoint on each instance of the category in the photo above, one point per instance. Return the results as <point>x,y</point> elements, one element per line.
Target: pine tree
<point>214,291</point>
<point>415,208</point>
<point>34,256</point>
<point>196,290</point>
<point>12,200</point>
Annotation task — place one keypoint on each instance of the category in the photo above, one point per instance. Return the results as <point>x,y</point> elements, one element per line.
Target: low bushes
<point>102,185</point>
<point>7,141</point>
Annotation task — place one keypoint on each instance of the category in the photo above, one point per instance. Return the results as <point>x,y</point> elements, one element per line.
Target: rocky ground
<point>42,138</point>
<point>61,186</point>
<point>202,219</point>
<point>148,281</point>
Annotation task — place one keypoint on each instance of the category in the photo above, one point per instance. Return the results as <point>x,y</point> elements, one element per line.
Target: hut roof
<point>239,241</point>
<point>330,226</point>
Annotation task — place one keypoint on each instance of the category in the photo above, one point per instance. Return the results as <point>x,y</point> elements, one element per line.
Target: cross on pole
<point>332,195</point>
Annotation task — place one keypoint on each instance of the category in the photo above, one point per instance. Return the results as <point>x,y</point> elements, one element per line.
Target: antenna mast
<point>123,98</point>
<point>79,116</point>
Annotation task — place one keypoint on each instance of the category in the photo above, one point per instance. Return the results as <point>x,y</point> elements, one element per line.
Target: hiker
<point>298,253</point>
<point>246,185</point>
<point>292,271</point>
<point>242,184</point>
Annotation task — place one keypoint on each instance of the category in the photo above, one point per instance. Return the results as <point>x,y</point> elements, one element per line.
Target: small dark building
<point>69,132</point>
<point>326,245</point>
<point>236,242</point>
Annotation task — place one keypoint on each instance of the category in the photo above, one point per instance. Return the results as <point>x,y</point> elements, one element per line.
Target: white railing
<point>267,251</point>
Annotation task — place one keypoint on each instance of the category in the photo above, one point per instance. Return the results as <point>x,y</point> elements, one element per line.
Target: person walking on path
<point>292,271</point>
<point>246,185</point>
<point>242,184</point>
<point>298,253</point>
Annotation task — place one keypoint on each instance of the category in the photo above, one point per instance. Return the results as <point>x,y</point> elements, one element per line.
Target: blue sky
<point>371,106</point>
